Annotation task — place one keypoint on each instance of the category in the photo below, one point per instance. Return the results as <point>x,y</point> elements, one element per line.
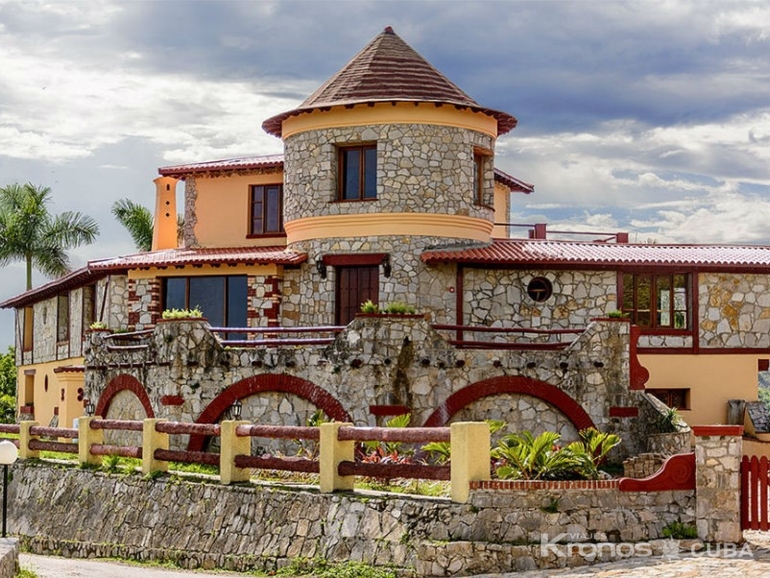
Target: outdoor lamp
<point>8,454</point>
<point>236,409</point>
<point>90,408</point>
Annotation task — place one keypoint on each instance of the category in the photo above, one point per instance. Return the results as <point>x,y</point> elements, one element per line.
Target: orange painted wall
<point>45,401</point>
<point>222,210</point>
<point>712,380</point>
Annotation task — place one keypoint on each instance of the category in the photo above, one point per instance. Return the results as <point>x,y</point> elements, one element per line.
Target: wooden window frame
<point>62,331</point>
<point>28,333</point>
<point>362,172</point>
<point>263,188</point>
<point>669,395</point>
<point>655,278</point>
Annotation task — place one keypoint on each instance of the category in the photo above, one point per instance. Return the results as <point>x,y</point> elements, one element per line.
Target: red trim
<point>639,375</point>
<point>511,384</point>
<point>528,485</point>
<point>172,400</point>
<point>763,364</point>
<point>717,430</point>
<point>353,259</point>
<point>703,351</point>
<point>676,473</point>
<point>122,383</point>
<point>388,410</point>
<point>460,300</point>
<point>262,384</point>
<point>618,411</point>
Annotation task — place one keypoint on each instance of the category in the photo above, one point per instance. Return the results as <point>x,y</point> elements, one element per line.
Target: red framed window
<point>657,301</point>
<point>358,173</point>
<point>354,286</point>
<point>266,210</point>
<point>676,398</point>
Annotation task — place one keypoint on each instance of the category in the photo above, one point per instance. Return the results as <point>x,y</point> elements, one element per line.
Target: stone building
<point>387,191</point>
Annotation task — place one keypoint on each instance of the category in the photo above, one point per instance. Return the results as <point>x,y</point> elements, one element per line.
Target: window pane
<point>174,294</point>
<point>628,292</point>
<point>663,286</point>
<point>643,300</point>
<point>63,318</point>
<point>208,293</point>
<point>352,172</point>
<point>273,210</point>
<point>370,173</point>
<point>237,301</point>
<point>257,208</point>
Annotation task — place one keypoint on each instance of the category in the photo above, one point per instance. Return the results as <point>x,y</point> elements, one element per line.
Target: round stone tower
<point>384,160</point>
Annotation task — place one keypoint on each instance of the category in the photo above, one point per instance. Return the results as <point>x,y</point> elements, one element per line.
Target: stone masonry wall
<point>734,310</point>
<point>381,361</point>
<point>82,513</point>
<point>421,168</point>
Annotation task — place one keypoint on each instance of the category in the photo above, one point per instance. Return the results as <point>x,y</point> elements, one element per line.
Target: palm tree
<point>137,220</point>
<point>30,233</point>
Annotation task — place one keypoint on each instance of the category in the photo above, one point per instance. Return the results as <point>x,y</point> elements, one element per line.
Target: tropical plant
<point>523,456</point>
<point>137,220</point>
<point>30,233</point>
<point>668,421</point>
<point>369,307</point>
<point>8,386</point>
<point>182,313</point>
<point>441,452</point>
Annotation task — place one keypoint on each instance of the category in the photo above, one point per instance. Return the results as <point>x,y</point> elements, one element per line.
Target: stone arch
<point>120,383</point>
<point>264,384</point>
<point>511,384</point>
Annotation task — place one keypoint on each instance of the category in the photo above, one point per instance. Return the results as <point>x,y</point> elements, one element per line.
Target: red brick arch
<point>511,384</point>
<point>120,383</point>
<point>264,384</point>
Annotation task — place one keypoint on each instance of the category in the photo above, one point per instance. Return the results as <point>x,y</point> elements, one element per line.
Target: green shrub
<point>369,307</point>
<point>183,313</point>
<point>399,308</point>
<point>680,531</point>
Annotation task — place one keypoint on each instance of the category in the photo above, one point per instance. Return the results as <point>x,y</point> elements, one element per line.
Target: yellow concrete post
<point>86,438</point>
<point>233,445</point>
<point>332,452</point>
<point>151,441</point>
<point>470,457</point>
<point>24,438</point>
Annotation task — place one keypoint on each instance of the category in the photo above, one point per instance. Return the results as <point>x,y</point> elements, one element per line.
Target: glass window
<point>358,173</point>
<point>222,298</point>
<point>657,301</point>
<point>266,210</point>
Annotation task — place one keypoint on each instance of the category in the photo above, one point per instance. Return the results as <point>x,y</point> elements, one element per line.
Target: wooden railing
<point>336,465</point>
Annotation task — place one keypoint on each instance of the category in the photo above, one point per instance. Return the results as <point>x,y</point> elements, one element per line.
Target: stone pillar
<point>718,452</point>
<point>86,438</point>
<point>470,457</point>
<point>332,452</point>
<point>153,440</point>
<point>233,445</point>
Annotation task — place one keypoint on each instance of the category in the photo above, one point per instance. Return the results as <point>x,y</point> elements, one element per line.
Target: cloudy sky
<point>651,117</point>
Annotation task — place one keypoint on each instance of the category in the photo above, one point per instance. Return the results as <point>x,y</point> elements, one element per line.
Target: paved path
<point>700,565</point>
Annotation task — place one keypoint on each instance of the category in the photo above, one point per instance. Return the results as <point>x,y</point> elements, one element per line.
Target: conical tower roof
<point>388,70</point>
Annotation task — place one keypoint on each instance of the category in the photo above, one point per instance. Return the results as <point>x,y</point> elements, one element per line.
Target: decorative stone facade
<point>377,361</point>
<point>421,168</point>
<point>643,465</point>
<point>735,310</point>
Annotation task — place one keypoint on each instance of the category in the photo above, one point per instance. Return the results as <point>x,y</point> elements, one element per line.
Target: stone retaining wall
<point>9,557</point>
<point>83,513</point>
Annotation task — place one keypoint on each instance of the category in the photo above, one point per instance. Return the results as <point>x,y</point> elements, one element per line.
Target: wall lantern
<point>236,409</point>
<point>321,268</point>
<point>8,455</point>
<point>90,408</point>
<point>386,269</point>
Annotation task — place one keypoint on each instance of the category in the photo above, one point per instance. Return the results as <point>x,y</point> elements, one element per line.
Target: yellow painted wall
<point>222,210</point>
<point>502,210</point>
<point>203,271</point>
<point>711,379</point>
<point>45,401</point>
<point>386,113</point>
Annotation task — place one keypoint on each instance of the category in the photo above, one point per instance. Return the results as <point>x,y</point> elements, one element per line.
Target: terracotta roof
<point>388,70</point>
<point>96,270</point>
<point>204,256</point>
<point>242,163</point>
<point>513,183</point>
<point>526,252</point>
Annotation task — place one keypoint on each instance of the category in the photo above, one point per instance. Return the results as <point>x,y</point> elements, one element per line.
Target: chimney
<point>164,227</point>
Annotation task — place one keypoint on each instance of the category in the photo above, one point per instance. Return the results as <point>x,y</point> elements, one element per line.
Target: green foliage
<point>552,507</point>
<point>440,452</point>
<point>137,220</point>
<point>399,308</point>
<point>524,457</point>
<point>183,313</point>
<point>8,386</point>
<point>26,573</point>
<point>110,464</point>
<point>30,233</point>
<point>98,325</point>
<point>389,451</point>
<point>680,531</point>
<point>668,422</point>
<point>369,307</point>
<point>321,568</point>
<point>617,314</point>
<point>194,468</point>
<point>309,448</point>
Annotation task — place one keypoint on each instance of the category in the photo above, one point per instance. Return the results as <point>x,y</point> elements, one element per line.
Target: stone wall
<point>734,310</point>
<point>82,513</point>
<point>186,375</point>
<point>9,557</point>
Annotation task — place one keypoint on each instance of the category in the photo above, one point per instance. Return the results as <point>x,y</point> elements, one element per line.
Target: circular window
<point>539,289</point>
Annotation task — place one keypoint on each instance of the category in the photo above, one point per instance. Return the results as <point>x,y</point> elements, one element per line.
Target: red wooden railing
<point>754,493</point>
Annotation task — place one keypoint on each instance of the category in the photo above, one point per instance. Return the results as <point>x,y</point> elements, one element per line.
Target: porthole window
<point>539,289</point>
